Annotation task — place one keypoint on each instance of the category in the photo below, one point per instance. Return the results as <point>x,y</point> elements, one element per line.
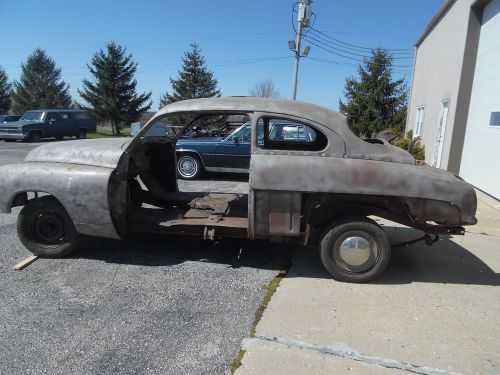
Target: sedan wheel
<point>355,249</point>
<point>45,228</point>
<point>189,167</point>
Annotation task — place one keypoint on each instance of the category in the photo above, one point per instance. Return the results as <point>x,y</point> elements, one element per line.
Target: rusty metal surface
<point>365,177</point>
<point>103,152</point>
<point>81,189</point>
<point>278,213</point>
<point>81,174</point>
<point>326,118</point>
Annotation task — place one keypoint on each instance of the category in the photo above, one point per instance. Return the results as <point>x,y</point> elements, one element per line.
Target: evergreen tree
<point>40,85</point>
<point>112,95</point>
<point>5,86</point>
<point>195,80</point>
<point>375,102</point>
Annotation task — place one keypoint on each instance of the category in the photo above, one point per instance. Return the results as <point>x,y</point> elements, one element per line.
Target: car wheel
<point>45,228</point>
<point>189,167</point>
<point>82,134</point>
<point>355,249</point>
<point>60,138</point>
<point>35,137</point>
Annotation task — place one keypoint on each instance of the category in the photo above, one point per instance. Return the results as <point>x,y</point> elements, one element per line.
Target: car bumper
<point>8,135</point>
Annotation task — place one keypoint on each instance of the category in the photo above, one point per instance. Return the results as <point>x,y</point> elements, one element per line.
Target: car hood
<point>16,124</point>
<point>104,152</point>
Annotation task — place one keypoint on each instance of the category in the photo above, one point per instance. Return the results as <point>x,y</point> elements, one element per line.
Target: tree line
<point>373,101</point>
<point>110,94</point>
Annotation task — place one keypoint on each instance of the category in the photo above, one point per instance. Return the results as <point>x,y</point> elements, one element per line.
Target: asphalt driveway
<point>151,305</point>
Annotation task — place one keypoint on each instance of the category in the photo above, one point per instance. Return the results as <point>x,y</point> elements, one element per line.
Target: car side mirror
<point>236,139</point>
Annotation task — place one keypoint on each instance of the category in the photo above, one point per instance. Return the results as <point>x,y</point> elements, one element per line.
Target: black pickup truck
<point>49,123</point>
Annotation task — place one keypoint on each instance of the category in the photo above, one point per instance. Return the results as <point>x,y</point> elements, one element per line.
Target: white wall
<point>437,71</point>
<point>481,154</point>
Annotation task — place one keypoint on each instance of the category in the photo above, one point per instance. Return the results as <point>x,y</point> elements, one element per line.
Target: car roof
<point>307,111</point>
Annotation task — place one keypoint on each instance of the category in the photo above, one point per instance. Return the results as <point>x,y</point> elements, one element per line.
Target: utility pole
<point>303,18</point>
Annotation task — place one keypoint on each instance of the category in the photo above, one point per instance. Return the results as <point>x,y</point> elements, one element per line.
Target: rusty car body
<point>111,187</point>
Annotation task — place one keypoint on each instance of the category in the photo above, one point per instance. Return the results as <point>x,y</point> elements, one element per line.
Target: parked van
<point>49,123</point>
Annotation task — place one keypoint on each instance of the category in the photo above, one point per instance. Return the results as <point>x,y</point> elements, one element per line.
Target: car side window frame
<point>335,145</point>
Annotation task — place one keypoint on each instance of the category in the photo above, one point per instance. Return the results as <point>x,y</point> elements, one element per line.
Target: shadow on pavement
<point>163,250</point>
<point>445,262</point>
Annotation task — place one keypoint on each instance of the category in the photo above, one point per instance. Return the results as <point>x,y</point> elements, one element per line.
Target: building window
<point>495,119</point>
<point>419,121</point>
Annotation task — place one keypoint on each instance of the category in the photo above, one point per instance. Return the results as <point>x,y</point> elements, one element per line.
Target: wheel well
<point>321,209</point>
<point>36,131</point>
<point>22,198</point>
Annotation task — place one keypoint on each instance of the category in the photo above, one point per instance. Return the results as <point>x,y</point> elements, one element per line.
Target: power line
<point>353,51</point>
<point>349,64</point>
<point>393,50</point>
<point>349,52</point>
<point>344,56</point>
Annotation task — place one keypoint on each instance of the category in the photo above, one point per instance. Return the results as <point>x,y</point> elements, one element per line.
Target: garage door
<point>481,154</point>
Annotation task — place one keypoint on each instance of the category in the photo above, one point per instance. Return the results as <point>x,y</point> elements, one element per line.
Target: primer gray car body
<point>290,191</point>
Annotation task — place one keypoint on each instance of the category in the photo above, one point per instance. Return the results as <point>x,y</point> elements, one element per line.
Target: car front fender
<point>81,189</point>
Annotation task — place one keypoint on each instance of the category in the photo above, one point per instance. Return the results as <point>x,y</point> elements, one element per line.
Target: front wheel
<point>45,228</point>
<point>355,249</point>
<point>82,134</point>
<point>189,167</point>
<point>35,136</point>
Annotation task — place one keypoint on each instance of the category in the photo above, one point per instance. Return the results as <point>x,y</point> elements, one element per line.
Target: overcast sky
<point>242,41</point>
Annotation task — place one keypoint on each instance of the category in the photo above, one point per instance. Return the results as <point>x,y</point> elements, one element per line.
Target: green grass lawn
<point>105,132</point>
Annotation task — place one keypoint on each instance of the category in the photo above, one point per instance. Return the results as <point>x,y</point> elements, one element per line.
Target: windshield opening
<point>32,116</point>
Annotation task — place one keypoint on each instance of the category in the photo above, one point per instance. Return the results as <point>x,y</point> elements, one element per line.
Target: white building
<point>455,95</point>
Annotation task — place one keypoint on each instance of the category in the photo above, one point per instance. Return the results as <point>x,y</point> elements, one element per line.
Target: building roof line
<point>435,20</point>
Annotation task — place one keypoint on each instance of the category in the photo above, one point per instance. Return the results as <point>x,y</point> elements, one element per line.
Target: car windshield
<point>243,134</point>
<point>32,116</point>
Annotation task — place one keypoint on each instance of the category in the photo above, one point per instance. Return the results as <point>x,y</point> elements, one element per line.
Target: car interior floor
<point>191,213</point>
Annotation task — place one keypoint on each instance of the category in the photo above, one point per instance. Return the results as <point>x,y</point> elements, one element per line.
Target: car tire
<point>355,249</point>
<point>60,138</point>
<point>189,167</point>
<point>35,136</point>
<point>45,228</point>
<point>82,134</point>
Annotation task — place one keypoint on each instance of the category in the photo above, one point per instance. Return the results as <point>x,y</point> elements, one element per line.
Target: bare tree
<point>265,89</point>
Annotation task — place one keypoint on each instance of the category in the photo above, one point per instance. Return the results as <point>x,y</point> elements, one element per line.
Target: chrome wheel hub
<point>187,166</point>
<point>356,252</point>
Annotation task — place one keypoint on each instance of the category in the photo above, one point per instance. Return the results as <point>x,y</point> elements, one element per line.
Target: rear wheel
<point>45,228</point>
<point>355,249</point>
<point>82,134</point>
<point>189,167</point>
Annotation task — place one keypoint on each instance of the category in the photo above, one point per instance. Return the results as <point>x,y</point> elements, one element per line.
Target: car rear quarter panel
<point>427,191</point>
<point>81,189</point>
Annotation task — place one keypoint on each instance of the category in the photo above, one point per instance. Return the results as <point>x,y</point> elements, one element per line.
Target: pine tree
<point>112,95</point>
<point>375,102</point>
<point>5,87</point>
<point>195,80</point>
<point>40,85</point>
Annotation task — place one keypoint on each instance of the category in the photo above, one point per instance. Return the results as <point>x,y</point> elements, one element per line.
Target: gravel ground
<point>152,305</point>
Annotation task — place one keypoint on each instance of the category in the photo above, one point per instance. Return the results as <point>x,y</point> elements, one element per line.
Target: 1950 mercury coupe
<point>307,171</point>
